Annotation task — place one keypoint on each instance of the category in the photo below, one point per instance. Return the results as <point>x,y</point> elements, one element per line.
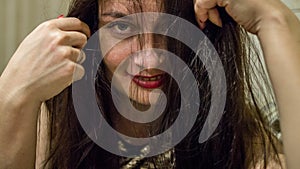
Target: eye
<point>120,28</point>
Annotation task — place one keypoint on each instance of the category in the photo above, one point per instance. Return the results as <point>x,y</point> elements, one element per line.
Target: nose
<point>148,57</point>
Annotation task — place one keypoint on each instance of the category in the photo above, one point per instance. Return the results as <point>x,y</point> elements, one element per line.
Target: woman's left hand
<point>278,30</point>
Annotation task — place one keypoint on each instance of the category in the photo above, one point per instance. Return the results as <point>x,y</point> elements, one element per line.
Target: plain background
<point>19,17</point>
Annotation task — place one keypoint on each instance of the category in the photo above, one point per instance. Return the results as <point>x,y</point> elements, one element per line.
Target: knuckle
<point>198,4</point>
<point>77,52</point>
<point>61,36</point>
<point>69,68</point>
<point>66,52</point>
<point>57,38</point>
<point>48,25</point>
<point>53,44</point>
<point>76,55</point>
<point>73,71</point>
<point>77,21</point>
<point>83,40</point>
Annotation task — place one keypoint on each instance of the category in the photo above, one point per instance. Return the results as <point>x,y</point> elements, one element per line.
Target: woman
<point>43,66</point>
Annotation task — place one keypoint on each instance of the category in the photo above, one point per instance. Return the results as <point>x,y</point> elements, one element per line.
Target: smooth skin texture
<point>39,71</point>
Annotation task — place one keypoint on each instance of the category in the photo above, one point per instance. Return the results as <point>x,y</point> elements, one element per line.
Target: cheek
<point>115,56</point>
<point>113,59</point>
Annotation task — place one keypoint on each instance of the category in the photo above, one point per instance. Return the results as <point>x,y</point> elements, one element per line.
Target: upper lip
<point>148,73</point>
<point>148,76</point>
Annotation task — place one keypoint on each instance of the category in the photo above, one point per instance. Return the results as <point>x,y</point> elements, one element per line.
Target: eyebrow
<point>114,14</point>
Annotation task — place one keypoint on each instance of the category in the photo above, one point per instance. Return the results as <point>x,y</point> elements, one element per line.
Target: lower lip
<point>148,84</point>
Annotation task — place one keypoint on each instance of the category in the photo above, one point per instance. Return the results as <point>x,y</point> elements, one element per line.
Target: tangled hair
<point>243,138</point>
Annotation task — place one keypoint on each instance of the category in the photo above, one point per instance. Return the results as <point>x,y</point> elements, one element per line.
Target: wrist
<point>16,97</point>
<point>18,126</point>
<point>277,20</point>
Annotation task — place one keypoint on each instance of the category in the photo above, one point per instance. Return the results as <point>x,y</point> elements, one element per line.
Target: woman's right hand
<point>47,61</point>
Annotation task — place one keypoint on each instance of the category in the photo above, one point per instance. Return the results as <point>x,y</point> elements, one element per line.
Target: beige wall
<point>294,5</point>
<point>20,17</point>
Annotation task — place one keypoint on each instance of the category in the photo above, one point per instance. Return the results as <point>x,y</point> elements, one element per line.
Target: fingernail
<point>60,16</point>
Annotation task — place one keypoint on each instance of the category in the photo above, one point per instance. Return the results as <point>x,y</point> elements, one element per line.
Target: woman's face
<point>123,60</point>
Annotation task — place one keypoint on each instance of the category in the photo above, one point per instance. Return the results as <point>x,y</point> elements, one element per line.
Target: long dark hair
<point>243,138</point>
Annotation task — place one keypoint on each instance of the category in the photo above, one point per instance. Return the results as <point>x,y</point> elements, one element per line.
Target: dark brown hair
<point>243,137</point>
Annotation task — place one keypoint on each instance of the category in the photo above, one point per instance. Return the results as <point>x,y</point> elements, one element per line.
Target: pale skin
<point>39,71</point>
<point>128,47</point>
<point>116,56</point>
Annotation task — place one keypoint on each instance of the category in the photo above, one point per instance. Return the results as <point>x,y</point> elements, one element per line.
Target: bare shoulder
<point>42,143</point>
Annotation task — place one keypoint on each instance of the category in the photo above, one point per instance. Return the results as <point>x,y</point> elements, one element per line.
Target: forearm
<point>18,122</point>
<point>280,41</point>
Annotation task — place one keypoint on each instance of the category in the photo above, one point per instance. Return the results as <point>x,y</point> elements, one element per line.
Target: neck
<point>130,128</point>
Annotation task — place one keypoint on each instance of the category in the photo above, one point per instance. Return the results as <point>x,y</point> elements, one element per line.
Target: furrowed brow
<point>114,14</point>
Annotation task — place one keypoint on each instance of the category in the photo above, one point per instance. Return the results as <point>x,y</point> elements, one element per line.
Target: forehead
<point>131,6</point>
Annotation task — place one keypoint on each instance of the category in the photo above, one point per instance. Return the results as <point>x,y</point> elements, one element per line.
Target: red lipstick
<point>149,82</point>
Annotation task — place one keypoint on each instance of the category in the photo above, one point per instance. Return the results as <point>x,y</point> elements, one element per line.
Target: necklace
<point>165,160</point>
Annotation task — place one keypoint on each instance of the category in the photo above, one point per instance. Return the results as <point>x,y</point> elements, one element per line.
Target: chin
<point>142,96</point>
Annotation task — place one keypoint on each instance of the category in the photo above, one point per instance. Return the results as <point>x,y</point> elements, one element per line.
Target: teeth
<point>145,79</point>
<point>150,79</point>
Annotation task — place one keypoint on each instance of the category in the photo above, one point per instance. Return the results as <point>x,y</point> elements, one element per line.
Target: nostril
<point>149,58</point>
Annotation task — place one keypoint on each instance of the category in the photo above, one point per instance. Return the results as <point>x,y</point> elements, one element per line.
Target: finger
<point>77,55</point>
<point>214,17</point>
<point>202,25</point>
<point>75,39</point>
<point>222,3</point>
<point>201,16</point>
<point>82,57</point>
<point>78,72</point>
<point>202,8</point>
<point>201,13</point>
<point>72,24</point>
<point>206,4</point>
<point>70,53</point>
<point>73,71</point>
